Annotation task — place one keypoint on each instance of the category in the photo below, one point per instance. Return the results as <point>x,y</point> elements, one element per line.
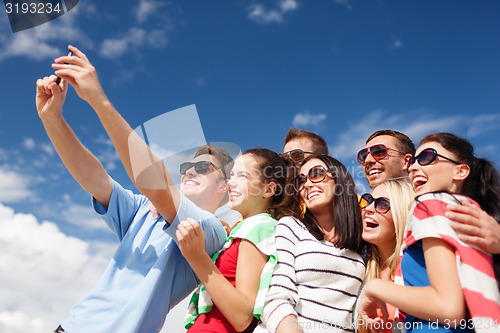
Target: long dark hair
<point>483,182</point>
<point>347,214</point>
<point>279,170</point>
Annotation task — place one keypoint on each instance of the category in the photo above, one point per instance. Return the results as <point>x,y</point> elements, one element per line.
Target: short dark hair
<point>320,146</point>
<point>224,160</point>
<point>404,143</point>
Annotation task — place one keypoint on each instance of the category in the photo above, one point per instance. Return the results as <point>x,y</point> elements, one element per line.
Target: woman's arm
<point>236,304</point>
<point>289,324</point>
<point>442,300</point>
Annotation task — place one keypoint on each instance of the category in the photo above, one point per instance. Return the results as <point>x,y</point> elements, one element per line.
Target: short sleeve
<point>215,234</point>
<point>122,208</point>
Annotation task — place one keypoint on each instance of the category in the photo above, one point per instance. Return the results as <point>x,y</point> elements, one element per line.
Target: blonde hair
<point>401,196</point>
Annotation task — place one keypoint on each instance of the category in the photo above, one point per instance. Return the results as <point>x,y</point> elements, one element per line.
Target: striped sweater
<point>475,267</point>
<point>314,280</point>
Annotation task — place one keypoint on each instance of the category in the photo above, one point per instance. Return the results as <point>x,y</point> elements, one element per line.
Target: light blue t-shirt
<point>148,274</point>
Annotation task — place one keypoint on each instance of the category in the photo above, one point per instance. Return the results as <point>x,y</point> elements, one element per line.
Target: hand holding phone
<point>58,80</point>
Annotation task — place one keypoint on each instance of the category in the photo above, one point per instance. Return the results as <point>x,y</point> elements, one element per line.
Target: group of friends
<point>419,253</point>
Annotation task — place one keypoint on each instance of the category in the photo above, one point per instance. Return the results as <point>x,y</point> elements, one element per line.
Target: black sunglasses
<point>378,152</point>
<point>316,174</point>
<point>296,155</point>
<point>427,156</point>
<point>201,167</point>
<point>382,204</point>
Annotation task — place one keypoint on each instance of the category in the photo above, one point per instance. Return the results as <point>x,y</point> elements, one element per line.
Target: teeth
<point>313,194</point>
<point>370,223</point>
<point>374,172</point>
<point>234,194</point>
<point>190,182</point>
<point>419,180</point>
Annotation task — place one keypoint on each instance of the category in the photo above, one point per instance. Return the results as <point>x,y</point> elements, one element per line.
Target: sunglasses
<point>378,152</point>
<point>427,156</point>
<point>315,175</point>
<point>382,204</point>
<point>296,155</point>
<point>201,167</point>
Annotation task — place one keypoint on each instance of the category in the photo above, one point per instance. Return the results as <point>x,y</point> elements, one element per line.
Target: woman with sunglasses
<point>449,286</point>
<point>234,286</point>
<point>384,213</point>
<point>320,268</point>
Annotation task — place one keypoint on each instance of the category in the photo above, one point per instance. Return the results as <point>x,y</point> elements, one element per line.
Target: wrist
<point>100,102</point>
<point>51,117</point>
<point>199,259</point>
<point>371,287</point>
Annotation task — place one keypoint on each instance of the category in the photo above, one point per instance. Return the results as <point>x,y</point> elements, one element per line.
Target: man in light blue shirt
<point>147,275</point>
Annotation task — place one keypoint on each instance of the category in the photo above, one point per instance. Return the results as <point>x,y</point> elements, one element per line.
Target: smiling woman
<point>385,211</point>
<point>320,269</point>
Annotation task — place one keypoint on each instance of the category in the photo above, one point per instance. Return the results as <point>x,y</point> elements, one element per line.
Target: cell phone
<point>58,80</point>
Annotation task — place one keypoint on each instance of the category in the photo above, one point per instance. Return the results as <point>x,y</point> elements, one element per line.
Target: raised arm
<point>80,162</point>
<point>144,169</point>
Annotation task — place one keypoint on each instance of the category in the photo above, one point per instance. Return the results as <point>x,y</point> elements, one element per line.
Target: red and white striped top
<point>475,267</point>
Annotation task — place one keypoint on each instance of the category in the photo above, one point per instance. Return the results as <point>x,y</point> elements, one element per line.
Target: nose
<point>191,172</point>
<point>369,159</point>
<point>308,183</point>
<point>370,209</point>
<point>230,183</point>
<point>414,167</point>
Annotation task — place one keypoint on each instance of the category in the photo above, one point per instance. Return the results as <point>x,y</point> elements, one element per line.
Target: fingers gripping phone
<point>58,80</point>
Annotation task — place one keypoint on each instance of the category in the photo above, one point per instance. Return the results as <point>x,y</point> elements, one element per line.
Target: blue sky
<point>253,68</point>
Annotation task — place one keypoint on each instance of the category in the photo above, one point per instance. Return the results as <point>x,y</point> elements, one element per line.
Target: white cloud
<point>133,39</point>
<point>307,119</point>
<point>146,8</point>
<point>48,148</point>
<point>83,216</point>
<point>46,272</point>
<point>38,43</point>
<point>483,123</point>
<point>396,43</point>
<point>260,14</point>
<point>13,186</point>
<point>288,5</point>
<point>200,82</point>
<point>29,144</point>
<point>345,3</point>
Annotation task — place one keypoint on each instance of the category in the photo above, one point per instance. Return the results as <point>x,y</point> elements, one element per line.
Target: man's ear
<point>270,189</point>
<point>222,186</point>
<point>406,162</point>
<point>462,171</point>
